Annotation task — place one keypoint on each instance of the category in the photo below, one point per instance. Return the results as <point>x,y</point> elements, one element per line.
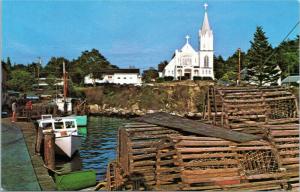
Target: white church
<point>190,63</point>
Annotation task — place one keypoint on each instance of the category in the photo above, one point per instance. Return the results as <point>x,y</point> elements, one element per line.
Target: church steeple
<point>205,33</point>
<point>205,26</point>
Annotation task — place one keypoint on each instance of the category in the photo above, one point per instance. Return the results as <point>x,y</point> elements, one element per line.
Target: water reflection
<point>99,143</point>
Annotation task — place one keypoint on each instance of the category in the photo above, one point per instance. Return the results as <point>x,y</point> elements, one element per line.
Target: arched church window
<point>206,61</point>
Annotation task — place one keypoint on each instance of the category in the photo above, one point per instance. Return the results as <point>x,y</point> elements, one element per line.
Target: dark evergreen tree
<point>219,66</point>
<point>161,66</point>
<point>8,63</point>
<point>262,68</point>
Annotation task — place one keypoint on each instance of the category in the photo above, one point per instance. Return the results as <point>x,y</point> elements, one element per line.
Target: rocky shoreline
<point>96,110</point>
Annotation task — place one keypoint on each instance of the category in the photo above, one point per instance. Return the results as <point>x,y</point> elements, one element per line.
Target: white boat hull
<point>68,145</point>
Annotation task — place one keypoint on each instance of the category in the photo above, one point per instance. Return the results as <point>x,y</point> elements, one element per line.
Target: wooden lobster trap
<point>136,154</point>
<point>208,163</point>
<point>285,138</point>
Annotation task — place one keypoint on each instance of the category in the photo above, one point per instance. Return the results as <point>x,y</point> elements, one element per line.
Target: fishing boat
<point>67,139</point>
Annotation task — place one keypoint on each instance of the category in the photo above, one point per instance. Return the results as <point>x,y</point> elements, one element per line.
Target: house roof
<point>113,71</point>
<point>292,79</point>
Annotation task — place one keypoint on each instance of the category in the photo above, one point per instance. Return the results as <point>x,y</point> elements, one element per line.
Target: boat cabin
<point>62,126</point>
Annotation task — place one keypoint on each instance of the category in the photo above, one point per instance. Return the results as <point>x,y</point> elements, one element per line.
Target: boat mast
<point>65,80</point>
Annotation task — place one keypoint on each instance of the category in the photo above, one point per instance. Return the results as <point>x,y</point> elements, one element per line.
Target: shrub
<point>182,78</point>
<point>168,78</point>
<point>197,78</point>
<point>160,80</point>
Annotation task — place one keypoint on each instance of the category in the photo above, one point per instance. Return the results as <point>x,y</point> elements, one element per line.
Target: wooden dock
<point>44,179</point>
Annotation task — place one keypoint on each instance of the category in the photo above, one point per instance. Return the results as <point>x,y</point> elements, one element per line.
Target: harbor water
<point>98,146</point>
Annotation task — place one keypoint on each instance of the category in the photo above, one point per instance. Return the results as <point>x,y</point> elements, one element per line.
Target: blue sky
<point>137,33</point>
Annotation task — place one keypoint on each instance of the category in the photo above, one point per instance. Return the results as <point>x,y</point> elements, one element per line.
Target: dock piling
<point>49,154</point>
<point>39,139</point>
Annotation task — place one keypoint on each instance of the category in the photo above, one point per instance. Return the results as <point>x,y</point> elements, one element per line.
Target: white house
<point>116,76</point>
<point>42,82</point>
<point>190,63</point>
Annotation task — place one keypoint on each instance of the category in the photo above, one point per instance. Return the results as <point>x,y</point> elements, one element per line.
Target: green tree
<point>51,81</point>
<point>149,75</point>
<point>89,62</point>
<point>55,67</point>
<point>261,67</point>
<point>287,57</point>
<point>21,80</point>
<point>229,76</point>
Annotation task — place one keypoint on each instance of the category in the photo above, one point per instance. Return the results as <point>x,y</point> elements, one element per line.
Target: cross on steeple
<point>205,6</point>
<point>187,38</point>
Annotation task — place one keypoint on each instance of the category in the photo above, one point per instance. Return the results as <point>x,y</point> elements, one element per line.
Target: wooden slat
<point>287,139</point>
<point>277,93</point>
<point>144,156</point>
<point>246,116</point>
<point>238,186</point>
<point>166,162</point>
<point>287,146</point>
<point>205,180</point>
<point>203,143</point>
<point>208,171</point>
<point>186,125</point>
<point>290,160</point>
<point>280,98</point>
<point>207,163</point>
<point>169,153</point>
<point>209,155</point>
<point>243,101</point>
<point>143,163</point>
<point>283,127</point>
<point>289,152</point>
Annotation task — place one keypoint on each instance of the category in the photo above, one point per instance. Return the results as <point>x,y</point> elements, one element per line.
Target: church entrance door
<point>187,73</point>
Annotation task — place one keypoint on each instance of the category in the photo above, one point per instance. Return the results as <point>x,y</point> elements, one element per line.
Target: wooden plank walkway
<point>186,125</point>
<point>45,181</point>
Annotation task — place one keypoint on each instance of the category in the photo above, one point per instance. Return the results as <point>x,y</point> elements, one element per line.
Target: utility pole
<point>239,68</point>
<point>65,88</point>
<point>38,71</point>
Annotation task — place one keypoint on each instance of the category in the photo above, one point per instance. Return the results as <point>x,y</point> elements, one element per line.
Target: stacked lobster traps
<point>167,155</point>
<point>136,157</point>
<point>246,108</point>
<point>271,112</point>
<point>285,138</point>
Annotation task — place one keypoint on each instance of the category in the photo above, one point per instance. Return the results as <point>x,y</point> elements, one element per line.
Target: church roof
<point>205,26</point>
<point>187,47</point>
